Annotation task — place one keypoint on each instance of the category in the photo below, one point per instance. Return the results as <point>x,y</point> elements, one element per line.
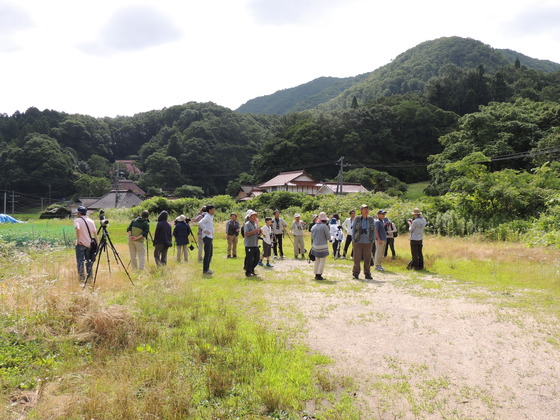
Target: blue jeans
<point>208,250</point>
<point>82,256</point>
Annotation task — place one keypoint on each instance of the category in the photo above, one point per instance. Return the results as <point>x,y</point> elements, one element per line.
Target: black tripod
<point>103,244</point>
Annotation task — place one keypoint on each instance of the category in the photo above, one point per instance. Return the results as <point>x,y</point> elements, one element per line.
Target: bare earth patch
<point>430,351</point>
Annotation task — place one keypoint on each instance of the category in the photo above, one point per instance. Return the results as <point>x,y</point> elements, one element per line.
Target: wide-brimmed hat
<point>416,211</point>
<point>251,213</point>
<point>233,214</point>
<point>297,215</point>
<point>181,218</point>
<point>323,216</point>
<point>364,206</point>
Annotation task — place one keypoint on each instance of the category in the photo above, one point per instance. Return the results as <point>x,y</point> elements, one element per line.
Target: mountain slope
<point>301,97</point>
<point>409,72</point>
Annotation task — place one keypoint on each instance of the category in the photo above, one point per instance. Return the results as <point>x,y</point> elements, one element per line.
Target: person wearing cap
<point>391,229</point>
<point>200,244</point>
<point>333,228</point>
<point>251,232</point>
<point>381,240</point>
<point>138,231</point>
<point>347,225</point>
<point>181,233</point>
<point>297,232</point>
<point>363,236</point>
<point>320,235</point>
<point>278,227</point>
<point>416,227</point>
<point>232,235</point>
<point>206,226</point>
<point>85,231</point>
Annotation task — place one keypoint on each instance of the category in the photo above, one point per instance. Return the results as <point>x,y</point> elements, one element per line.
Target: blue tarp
<point>4,218</point>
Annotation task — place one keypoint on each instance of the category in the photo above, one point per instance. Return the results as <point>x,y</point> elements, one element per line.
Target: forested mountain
<point>465,99</point>
<point>300,98</point>
<point>411,71</point>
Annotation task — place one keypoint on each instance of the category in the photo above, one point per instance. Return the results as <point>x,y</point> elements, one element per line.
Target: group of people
<point>370,239</point>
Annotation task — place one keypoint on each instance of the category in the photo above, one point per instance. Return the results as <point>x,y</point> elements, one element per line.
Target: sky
<point>122,57</point>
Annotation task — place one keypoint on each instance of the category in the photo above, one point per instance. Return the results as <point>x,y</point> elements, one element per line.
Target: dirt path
<point>426,348</point>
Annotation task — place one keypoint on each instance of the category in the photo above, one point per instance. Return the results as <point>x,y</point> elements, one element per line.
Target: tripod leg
<point>102,246</point>
<point>118,258</point>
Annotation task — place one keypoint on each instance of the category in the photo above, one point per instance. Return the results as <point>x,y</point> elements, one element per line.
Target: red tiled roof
<point>130,166</point>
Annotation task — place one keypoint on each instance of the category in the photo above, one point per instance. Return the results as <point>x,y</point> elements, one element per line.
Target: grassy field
<point>180,345</point>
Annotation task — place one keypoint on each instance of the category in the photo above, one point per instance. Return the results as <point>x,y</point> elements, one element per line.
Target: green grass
<point>415,191</point>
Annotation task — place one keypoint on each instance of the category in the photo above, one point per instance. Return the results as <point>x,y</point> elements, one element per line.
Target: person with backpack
<point>232,235</point>
<point>138,231</point>
<point>162,239</point>
<point>321,235</point>
<point>181,232</point>
<point>86,240</point>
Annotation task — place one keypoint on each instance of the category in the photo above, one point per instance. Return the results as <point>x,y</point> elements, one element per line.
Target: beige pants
<point>379,253</point>
<point>137,254</point>
<point>182,250</point>
<point>319,265</point>
<point>299,245</point>
<point>232,245</point>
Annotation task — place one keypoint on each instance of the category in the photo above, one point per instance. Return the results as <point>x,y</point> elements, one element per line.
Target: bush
<point>55,211</point>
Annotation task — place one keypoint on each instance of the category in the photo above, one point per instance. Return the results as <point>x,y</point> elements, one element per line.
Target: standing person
<point>297,232</point>
<point>85,231</point>
<point>251,234</point>
<point>321,235</point>
<point>206,225</point>
<point>363,236</point>
<point>333,228</point>
<point>347,225</point>
<point>416,228</point>
<point>232,235</point>
<point>313,223</point>
<point>338,238</point>
<point>181,233</point>
<point>278,227</point>
<point>266,232</point>
<point>138,231</point>
<point>200,244</point>
<point>162,239</point>
<point>381,239</point>
<point>392,233</point>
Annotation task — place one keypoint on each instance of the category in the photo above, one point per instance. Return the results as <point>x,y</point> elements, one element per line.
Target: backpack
<point>243,231</point>
<point>396,232</point>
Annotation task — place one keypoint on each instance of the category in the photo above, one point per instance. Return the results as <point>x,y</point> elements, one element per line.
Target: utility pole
<point>340,172</point>
<point>13,202</point>
<point>5,199</point>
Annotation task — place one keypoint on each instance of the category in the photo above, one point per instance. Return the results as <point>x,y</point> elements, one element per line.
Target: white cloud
<point>134,28</point>
<point>13,19</point>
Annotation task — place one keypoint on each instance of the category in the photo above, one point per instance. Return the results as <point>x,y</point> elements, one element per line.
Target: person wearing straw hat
<point>321,236</point>
<point>416,228</point>
<point>181,233</point>
<point>363,236</point>
<point>297,232</point>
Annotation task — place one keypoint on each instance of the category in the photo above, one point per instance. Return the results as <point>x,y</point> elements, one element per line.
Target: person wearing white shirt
<point>347,225</point>
<point>206,226</point>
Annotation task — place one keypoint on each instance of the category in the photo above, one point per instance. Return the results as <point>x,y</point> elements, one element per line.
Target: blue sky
<point>119,57</point>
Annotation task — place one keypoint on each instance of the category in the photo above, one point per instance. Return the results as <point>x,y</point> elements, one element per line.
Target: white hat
<point>297,215</point>
<point>323,216</point>
<point>181,218</point>
<point>250,213</point>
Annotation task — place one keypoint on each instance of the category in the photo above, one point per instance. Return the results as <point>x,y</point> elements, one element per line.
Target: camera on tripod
<point>103,221</point>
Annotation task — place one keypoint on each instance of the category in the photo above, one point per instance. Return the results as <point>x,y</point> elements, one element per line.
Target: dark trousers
<point>347,244</point>
<point>417,256</point>
<point>208,250</point>
<point>362,251</point>
<point>160,254</point>
<point>336,245</point>
<point>252,258</point>
<point>277,245</point>
<point>390,244</point>
<point>83,257</point>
